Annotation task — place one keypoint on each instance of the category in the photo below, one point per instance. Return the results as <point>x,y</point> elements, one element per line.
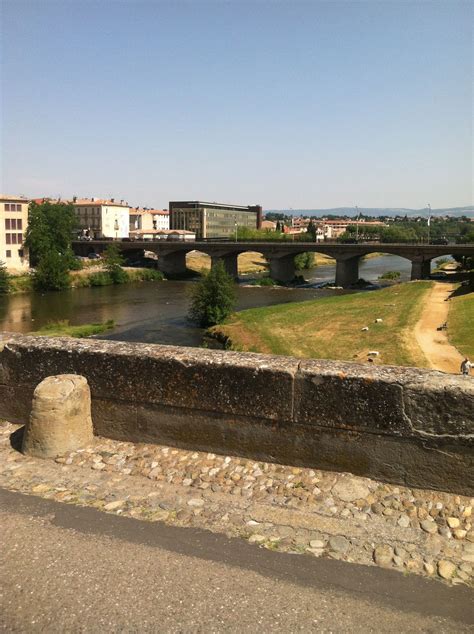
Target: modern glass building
<point>213,220</point>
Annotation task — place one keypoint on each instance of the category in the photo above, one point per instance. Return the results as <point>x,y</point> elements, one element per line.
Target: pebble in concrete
<point>60,418</point>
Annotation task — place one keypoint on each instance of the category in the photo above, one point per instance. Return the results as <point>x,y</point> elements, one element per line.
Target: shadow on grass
<point>461,290</point>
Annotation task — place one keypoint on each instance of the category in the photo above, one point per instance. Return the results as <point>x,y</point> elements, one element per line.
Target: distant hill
<point>374,211</point>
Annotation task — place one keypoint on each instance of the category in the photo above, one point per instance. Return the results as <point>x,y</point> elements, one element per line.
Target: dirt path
<point>441,355</point>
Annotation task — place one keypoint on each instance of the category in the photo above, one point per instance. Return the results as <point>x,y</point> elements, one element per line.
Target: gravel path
<point>441,355</point>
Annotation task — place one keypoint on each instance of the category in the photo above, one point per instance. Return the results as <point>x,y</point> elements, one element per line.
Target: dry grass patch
<point>331,327</point>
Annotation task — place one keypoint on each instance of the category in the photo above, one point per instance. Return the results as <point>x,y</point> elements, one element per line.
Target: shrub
<point>150,275</point>
<point>264,281</point>
<point>390,275</point>
<point>213,298</point>
<point>113,264</point>
<point>5,283</point>
<point>99,279</point>
<point>304,261</point>
<point>51,273</point>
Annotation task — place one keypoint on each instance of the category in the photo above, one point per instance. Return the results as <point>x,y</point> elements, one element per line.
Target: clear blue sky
<point>289,104</point>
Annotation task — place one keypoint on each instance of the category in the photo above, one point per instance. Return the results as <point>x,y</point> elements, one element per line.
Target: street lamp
<point>429,221</point>
<point>357,223</point>
<point>235,227</point>
<point>116,227</point>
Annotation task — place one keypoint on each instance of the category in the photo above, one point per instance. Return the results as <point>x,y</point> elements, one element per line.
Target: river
<point>155,312</point>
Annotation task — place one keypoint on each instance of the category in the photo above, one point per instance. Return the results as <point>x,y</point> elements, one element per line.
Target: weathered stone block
<point>234,383</point>
<point>440,405</point>
<point>60,418</point>
<point>349,396</point>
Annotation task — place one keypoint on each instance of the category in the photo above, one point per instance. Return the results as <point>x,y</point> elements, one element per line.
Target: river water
<point>154,312</point>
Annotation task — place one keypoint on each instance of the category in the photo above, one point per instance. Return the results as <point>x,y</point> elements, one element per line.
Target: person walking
<point>466,366</point>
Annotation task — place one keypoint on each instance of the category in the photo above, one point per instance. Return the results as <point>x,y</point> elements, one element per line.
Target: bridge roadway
<point>280,255</point>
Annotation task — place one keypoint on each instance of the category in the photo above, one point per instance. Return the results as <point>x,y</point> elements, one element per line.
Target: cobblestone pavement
<point>274,506</point>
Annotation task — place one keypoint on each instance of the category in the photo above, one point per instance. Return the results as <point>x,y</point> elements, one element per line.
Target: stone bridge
<point>280,255</point>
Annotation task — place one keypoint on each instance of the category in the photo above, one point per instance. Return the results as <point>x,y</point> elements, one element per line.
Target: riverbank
<point>341,327</point>
<point>92,275</point>
<point>65,329</point>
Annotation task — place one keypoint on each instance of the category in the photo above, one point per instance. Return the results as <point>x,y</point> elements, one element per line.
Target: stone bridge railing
<point>402,425</point>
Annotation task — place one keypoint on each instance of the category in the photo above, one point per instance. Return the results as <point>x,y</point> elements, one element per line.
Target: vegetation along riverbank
<point>347,327</point>
<point>64,329</point>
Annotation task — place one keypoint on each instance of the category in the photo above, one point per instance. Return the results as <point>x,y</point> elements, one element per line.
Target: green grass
<point>103,278</point>
<point>21,283</point>
<point>331,327</point>
<point>461,324</point>
<point>64,329</point>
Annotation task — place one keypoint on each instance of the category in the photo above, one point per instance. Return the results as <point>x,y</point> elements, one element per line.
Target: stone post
<point>60,419</point>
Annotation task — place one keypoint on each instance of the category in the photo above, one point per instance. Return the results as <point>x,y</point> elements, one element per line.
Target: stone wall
<point>403,425</point>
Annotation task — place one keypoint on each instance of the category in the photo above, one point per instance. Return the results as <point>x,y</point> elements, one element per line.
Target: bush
<point>149,275</point>
<point>390,275</point>
<point>113,264</point>
<point>51,273</point>
<point>98,279</point>
<point>118,275</point>
<point>213,298</point>
<point>304,261</point>
<point>5,283</point>
<point>264,281</point>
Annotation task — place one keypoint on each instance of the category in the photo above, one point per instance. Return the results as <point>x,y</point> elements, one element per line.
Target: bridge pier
<point>347,271</point>
<point>282,269</point>
<point>172,264</point>
<point>230,263</point>
<point>420,269</point>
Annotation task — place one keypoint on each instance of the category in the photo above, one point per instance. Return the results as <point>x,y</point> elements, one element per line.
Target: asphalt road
<point>72,569</point>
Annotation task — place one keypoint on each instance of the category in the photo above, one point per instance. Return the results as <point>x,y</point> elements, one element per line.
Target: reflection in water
<point>156,312</point>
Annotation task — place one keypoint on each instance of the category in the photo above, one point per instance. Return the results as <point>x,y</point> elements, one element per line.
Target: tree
<point>51,274</point>
<point>5,283</point>
<point>311,230</point>
<point>304,261</point>
<point>278,226</point>
<point>113,264</point>
<point>213,298</point>
<point>50,228</point>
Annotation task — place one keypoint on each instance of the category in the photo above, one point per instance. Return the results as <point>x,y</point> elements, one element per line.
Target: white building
<point>13,224</point>
<point>101,218</point>
<point>147,219</point>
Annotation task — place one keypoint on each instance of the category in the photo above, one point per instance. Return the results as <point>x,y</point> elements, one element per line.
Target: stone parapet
<point>404,425</point>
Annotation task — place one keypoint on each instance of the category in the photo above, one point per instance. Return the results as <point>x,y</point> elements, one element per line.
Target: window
<point>19,238</point>
<point>13,237</point>
<point>9,253</point>
<point>13,221</point>
<point>19,223</point>
<point>8,238</point>
<point>7,206</point>
<point>7,224</point>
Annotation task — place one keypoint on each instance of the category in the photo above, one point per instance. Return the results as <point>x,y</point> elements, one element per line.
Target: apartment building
<point>146,219</point>
<point>100,218</point>
<point>13,224</point>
